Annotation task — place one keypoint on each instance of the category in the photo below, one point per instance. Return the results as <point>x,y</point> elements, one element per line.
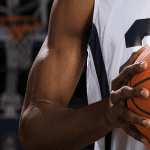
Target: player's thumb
<point>133,57</point>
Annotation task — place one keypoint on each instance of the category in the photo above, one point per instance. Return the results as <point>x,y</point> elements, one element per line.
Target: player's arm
<point>50,124</point>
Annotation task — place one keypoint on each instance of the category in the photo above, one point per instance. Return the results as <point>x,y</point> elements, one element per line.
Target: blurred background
<point>16,60</point>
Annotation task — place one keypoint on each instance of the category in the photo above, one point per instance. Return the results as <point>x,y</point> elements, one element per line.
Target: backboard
<point>37,8</point>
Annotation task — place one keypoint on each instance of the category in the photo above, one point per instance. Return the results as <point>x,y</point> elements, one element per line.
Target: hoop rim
<point>30,23</point>
<point>17,18</point>
<point>34,25</point>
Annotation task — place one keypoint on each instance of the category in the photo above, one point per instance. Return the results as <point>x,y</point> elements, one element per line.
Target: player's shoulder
<point>79,10</point>
<point>71,19</point>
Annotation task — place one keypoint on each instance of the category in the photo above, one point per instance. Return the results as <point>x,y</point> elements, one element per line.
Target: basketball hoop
<point>19,49</point>
<point>19,26</point>
<point>18,53</point>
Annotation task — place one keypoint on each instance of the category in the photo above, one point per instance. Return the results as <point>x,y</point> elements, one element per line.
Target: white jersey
<point>119,28</point>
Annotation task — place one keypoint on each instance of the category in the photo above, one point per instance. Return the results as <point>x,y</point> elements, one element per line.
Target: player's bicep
<point>69,21</point>
<point>59,73</point>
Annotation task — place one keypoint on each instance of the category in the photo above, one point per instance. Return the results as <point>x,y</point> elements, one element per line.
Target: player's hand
<point>119,115</point>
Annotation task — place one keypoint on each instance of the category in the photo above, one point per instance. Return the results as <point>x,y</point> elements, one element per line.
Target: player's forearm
<point>81,127</point>
<point>65,128</point>
<point>88,125</point>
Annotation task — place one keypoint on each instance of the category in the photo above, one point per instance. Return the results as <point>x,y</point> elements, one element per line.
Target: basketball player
<point>113,45</point>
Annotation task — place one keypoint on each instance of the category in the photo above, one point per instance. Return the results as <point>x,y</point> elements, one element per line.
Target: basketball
<point>138,105</point>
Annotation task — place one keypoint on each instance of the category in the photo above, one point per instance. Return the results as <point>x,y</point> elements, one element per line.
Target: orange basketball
<point>138,105</point>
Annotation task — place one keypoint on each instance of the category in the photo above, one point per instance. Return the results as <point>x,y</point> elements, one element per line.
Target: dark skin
<point>126,116</point>
<point>46,122</point>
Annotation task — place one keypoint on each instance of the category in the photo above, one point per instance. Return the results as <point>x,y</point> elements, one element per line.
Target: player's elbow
<point>31,144</point>
<point>26,144</point>
<point>35,132</point>
<point>36,141</point>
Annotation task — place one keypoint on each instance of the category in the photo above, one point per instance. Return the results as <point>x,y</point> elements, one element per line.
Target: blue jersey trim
<point>101,73</point>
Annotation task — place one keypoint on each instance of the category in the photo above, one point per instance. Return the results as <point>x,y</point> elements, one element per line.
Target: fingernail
<point>141,65</point>
<point>144,93</point>
<point>146,123</point>
<point>144,140</point>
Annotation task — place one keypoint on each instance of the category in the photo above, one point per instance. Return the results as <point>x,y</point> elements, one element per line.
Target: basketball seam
<point>133,99</point>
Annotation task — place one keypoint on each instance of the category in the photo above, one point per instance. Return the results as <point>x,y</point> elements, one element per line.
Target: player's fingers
<point>130,130</point>
<point>131,116</point>
<point>133,58</point>
<point>126,74</point>
<point>127,92</point>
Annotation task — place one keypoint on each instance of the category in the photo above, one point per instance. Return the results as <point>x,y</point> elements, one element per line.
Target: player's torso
<point>125,29</point>
<point>122,27</point>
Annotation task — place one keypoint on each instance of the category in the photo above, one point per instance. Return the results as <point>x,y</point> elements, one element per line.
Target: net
<point>19,26</point>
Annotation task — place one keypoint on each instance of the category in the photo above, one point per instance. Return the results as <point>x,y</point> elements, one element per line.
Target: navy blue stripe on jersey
<point>101,72</point>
